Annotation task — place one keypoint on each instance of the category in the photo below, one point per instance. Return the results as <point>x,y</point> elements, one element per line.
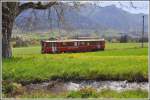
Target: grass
<point>120,61</point>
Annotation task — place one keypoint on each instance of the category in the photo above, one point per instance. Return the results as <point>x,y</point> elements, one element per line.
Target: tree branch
<point>38,5</point>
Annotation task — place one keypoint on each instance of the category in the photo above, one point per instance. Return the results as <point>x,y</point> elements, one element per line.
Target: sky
<point>138,6</point>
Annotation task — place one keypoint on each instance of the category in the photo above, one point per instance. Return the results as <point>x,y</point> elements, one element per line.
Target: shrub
<point>23,42</point>
<point>12,89</point>
<point>7,87</point>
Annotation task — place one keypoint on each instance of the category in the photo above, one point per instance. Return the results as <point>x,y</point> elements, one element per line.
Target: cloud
<point>130,6</point>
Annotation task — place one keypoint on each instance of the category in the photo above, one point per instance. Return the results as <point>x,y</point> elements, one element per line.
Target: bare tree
<point>10,10</point>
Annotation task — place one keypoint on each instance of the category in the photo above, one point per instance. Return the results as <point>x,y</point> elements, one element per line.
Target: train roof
<point>72,40</point>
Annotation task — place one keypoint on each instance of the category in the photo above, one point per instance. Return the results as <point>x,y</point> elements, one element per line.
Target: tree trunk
<point>6,49</point>
<point>6,46</point>
<point>8,16</point>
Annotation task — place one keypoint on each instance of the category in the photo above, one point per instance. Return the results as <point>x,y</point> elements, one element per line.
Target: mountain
<point>87,17</point>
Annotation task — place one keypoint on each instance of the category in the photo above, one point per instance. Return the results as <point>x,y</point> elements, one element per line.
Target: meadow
<point>119,61</point>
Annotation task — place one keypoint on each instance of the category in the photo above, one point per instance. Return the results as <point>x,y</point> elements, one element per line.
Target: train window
<point>82,43</point>
<point>70,43</point>
<point>64,43</point>
<point>94,43</point>
<point>88,43</point>
<point>49,44</point>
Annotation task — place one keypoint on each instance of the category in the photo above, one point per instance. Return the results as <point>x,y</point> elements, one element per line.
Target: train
<point>73,45</point>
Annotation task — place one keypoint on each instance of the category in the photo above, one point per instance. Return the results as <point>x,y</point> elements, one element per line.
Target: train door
<point>75,43</point>
<point>98,45</point>
<point>54,47</point>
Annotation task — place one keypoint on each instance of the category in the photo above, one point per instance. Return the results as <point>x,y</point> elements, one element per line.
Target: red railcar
<point>59,46</point>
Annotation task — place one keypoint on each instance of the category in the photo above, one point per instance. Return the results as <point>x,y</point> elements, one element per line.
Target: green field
<point>120,61</point>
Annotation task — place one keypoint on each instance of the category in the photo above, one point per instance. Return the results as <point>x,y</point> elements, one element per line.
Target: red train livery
<point>59,46</point>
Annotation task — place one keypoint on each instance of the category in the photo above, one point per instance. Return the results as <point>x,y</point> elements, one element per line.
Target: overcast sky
<point>140,6</point>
